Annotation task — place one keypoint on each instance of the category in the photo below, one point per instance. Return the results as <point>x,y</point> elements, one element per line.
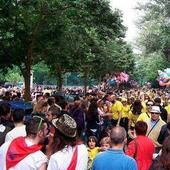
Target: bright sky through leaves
<point>130,15</point>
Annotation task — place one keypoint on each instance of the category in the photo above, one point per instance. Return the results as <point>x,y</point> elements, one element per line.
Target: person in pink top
<point>141,148</point>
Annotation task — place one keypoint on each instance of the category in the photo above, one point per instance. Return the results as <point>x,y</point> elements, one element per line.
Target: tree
<point>147,67</point>
<point>22,35</point>
<point>41,74</point>
<point>67,35</point>
<point>154,40</point>
<point>89,28</point>
<point>155,27</point>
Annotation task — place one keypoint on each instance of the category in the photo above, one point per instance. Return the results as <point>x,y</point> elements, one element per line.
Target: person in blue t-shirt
<point>115,158</point>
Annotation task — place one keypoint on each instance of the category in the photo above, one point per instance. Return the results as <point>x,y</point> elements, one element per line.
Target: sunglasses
<point>149,105</point>
<point>155,113</point>
<point>41,121</point>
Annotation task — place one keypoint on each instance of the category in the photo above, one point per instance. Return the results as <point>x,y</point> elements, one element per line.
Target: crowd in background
<point>87,133</point>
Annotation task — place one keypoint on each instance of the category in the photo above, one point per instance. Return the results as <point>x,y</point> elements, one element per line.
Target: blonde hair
<point>105,140</point>
<point>39,106</point>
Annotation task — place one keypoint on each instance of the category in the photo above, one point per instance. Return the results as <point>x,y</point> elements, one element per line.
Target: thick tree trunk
<point>27,95</point>
<point>27,73</point>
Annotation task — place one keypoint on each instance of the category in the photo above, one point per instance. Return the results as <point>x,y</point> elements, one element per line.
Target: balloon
<point>164,77</point>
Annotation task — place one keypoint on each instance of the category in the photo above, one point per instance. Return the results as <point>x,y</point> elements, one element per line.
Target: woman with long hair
<point>65,148</point>
<point>92,119</point>
<point>136,110</point>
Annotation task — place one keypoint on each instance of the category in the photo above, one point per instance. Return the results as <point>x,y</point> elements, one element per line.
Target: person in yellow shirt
<point>144,107</point>
<point>145,116</point>
<point>116,111</point>
<point>133,116</point>
<point>125,113</point>
<point>93,150</point>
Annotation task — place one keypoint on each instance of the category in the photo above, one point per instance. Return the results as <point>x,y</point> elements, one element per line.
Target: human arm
<point>119,118</point>
<point>163,134</point>
<point>130,132</point>
<point>119,111</point>
<point>131,149</point>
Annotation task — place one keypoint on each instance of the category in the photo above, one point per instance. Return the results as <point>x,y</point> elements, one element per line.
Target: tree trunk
<point>85,80</point>
<point>59,78</point>
<point>27,95</point>
<point>27,73</point>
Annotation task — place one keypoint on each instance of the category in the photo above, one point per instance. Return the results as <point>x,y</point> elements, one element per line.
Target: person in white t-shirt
<point>67,154</point>
<point>19,130</point>
<point>24,153</point>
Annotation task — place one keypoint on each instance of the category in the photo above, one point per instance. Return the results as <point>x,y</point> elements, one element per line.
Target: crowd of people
<point>102,130</point>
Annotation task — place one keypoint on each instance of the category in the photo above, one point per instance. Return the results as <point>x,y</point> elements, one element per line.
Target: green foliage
<point>155,34</point>
<point>72,79</point>
<point>41,74</point>
<point>90,40</point>
<point>12,75</point>
<point>147,67</point>
<point>154,40</point>
<point>69,36</point>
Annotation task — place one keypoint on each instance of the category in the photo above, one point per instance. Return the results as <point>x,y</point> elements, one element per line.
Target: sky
<point>130,15</point>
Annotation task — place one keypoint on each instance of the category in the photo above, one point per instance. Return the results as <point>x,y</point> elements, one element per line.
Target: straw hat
<point>66,125</point>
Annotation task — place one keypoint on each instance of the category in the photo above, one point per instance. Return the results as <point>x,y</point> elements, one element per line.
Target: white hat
<point>155,109</point>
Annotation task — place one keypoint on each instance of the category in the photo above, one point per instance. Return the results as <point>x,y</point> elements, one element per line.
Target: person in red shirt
<point>141,148</point>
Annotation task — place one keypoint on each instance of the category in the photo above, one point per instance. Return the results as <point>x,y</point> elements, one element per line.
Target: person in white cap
<point>155,124</point>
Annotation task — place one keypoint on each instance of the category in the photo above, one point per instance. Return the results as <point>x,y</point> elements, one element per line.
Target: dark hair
<point>168,125</point>
<point>93,138</point>
<point>137,107</point>
<point>47,94</point>
<point>141,128</point>
<point>51,100</point>
<point>7,93</point>
<point>63,104</point>
<point>92,109</point>
<point>4,109</point>
<point>77,98</point>
<point>55,111</point>
<point>35,125</point>
<point>18,115</point>
<point>117,135</point>
<point>38,96</point>
<point>106,132</point>
<point>60,141</point>
<point>157,100</point>
<point>164,161</point>
<point>19,95</point>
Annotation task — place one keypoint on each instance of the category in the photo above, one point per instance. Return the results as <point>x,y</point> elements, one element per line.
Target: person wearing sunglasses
<point>145,116</point>
<point>25,152</point>
<point>155,124</point>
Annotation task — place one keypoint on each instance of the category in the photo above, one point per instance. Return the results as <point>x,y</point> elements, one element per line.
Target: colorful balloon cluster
<point>118,78</point>
<point>164,77</point>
